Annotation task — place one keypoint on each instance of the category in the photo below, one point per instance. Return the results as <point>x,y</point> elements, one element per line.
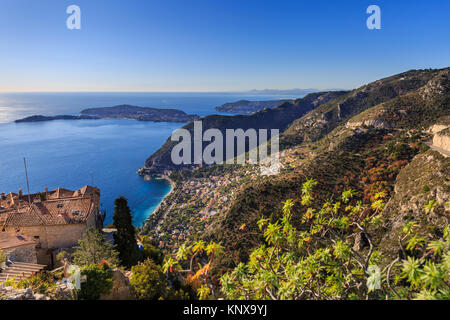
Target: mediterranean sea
<point>104,153</point>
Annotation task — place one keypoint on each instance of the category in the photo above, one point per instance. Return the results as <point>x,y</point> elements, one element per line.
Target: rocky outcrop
<point>121,287</point>
<point>376,123</point>
<point>437,127</point>
<point>442,140</point>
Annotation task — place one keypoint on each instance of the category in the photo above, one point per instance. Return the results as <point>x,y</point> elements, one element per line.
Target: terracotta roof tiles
<point>63,206</point>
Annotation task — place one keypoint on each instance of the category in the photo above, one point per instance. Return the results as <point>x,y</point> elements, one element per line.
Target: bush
<point>148,281</point>
<point>318,261</point>
<point>99,281</point>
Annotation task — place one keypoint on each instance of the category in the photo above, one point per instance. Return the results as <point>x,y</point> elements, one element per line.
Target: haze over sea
<point>104,153</point>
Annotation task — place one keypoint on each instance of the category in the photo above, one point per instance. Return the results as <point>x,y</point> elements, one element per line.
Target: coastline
<point>172,188</point>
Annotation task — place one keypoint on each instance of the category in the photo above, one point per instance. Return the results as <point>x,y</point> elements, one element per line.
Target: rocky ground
<point>60,292</point>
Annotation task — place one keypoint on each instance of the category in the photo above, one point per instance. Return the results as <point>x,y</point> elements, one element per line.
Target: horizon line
<point>185,91</point>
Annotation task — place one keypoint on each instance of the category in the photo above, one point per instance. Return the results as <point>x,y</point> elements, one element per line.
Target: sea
<point>104,153</point>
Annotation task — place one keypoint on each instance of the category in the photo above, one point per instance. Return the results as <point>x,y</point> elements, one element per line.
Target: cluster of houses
<point>34,227</point>
<point>201,199</point>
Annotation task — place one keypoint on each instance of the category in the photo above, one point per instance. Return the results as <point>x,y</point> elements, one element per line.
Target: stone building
<point>54,219</point>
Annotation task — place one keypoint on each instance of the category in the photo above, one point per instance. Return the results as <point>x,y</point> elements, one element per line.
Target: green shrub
<point>148,281</point>
<point>318,261</point>
<point>98,282</point>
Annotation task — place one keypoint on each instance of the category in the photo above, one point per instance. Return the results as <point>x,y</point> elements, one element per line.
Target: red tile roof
<point>62,207</point>
<point>10,240</point>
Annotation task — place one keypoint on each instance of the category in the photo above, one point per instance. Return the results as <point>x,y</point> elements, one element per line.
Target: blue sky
<point>216,45</point>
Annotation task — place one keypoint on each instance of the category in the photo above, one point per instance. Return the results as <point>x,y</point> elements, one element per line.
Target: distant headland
<point>249,107</point>
<point>121,112</point>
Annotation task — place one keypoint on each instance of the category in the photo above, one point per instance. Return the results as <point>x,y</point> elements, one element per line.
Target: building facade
<point>53,219</point>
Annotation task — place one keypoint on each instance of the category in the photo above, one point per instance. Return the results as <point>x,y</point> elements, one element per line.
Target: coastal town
<point>195,203</point>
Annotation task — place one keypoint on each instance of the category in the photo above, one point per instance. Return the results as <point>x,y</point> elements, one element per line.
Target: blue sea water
<point>104,153</point>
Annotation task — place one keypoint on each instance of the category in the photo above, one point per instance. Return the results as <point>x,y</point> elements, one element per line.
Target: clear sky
<point>216,45</point>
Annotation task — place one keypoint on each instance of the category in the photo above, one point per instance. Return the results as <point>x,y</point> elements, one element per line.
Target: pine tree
<point>124,237</point>
<point>92,249</point>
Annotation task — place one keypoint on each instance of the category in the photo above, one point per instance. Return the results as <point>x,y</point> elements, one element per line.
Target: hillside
<point>322,120</point>
<point>276,118</point>
<point>363,140</point>
<point>367,158</point>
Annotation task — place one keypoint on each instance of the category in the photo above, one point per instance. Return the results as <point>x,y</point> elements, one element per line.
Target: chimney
<point>46,193</point>
<point>3,196</point>
<point>58,191</point>
<point>20,193</point>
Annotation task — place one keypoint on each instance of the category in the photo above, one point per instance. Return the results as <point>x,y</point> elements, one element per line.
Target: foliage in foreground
<point>197,276</point>
<point>98,281</point>
<point>319,262</point>
<point>148,281</point>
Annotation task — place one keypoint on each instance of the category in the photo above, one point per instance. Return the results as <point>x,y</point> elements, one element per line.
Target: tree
<point>125,237</point>
<point>93,248</point>
<point>148,281</point>
<point>150,251</point>
<point>200,273</point>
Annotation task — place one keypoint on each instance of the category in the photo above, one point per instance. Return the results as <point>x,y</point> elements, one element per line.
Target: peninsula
<point>121,112</point>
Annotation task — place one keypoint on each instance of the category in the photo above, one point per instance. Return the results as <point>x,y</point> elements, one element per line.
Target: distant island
<point>249,107</point>
<point>121,112</point>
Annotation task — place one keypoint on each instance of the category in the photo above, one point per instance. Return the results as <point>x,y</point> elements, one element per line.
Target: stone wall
<point>121,289</point>
<point>57,236</point>
<point>53,237</point>
<point>25,254</point>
